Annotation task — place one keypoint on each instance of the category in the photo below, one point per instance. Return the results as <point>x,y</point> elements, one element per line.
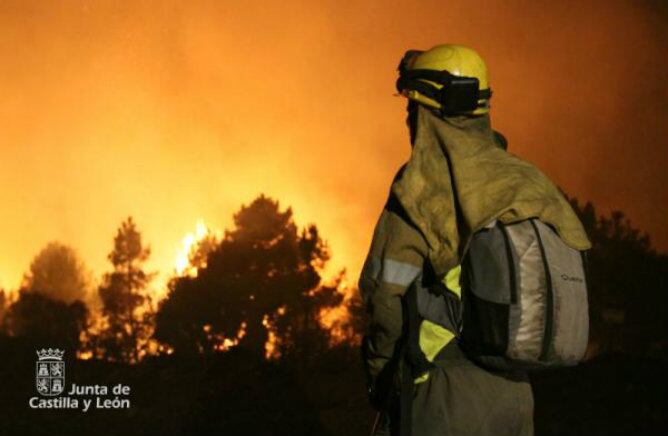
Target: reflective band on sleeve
<point>399,273</point>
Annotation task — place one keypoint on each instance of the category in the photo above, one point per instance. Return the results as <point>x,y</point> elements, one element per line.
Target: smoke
<point>58,273</point>
<point>184,111</point>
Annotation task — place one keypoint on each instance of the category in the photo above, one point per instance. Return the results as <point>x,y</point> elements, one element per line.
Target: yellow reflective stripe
<point>433,338</point>
<point>451,280</point>
<point>422,378</point>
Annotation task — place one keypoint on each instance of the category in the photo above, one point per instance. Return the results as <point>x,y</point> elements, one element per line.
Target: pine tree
<point>263,280</point>
<point>126,305</point>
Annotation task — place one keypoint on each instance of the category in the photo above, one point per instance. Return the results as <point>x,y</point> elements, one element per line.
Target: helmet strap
<point>459,94</point>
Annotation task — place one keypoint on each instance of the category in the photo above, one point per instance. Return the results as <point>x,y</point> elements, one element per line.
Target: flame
<point>222,343</point>
<point>337,319</point>
<point>333,319</point>
<point>271,351</point>
<point>165,349</point>
<point>84,355</point>
<point>182,263</point>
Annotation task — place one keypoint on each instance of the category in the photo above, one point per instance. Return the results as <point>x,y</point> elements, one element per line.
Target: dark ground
<point>234,394</point>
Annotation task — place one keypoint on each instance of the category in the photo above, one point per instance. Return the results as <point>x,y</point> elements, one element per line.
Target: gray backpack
<point>524,298</point>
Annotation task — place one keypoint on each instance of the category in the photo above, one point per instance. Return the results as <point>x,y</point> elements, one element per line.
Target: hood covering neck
<point>458,180</point>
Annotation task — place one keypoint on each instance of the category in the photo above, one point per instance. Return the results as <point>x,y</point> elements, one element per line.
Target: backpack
<point>523,305</point>
<point>524,298</point>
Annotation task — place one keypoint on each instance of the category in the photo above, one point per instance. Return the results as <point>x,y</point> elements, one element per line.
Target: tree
<point>57,272</point>
<point>46,322</point>
<point>126,306</point>
<point>49,311</point>
<point>627,282</point>
<point>297,330</point>
<point>3,307</point>
<point>260,282</point>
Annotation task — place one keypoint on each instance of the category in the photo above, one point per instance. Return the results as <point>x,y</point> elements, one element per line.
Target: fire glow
<point>333,319</point>
<point>183,265</point>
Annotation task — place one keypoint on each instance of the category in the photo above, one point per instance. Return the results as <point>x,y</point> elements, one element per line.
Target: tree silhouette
<point>262,279</point>
<point>298,335</point>
<point>199,254</point>
<point>57,272</point>
<point>627,283</point>
<point>126,306</point>
<point>4,303</point>
<point>46,322</point>
<point>49,310</point>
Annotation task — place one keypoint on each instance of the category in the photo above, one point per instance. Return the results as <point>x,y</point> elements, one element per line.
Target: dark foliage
<point>627,283</point>
<point>58,273</point>
<point>125,304</point>
<point>46,322</point>
<point>263,278</point>
<point>232,393</point>
<point>4,305</point>
<point>235,393</point>
<point>610,395</point>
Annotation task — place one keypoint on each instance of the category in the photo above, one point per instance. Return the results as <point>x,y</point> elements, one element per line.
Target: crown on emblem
<point>51,353</point>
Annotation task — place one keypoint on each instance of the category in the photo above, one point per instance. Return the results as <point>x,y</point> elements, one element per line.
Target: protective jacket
<point>457,180</point>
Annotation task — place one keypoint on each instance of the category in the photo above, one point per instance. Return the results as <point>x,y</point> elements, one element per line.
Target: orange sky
<point>179,111</point>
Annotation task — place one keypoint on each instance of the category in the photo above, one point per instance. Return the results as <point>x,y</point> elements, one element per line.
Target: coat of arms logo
<point>50,372</point>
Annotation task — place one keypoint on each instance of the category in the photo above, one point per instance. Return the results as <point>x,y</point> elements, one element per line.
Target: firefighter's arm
<point>395,260</point>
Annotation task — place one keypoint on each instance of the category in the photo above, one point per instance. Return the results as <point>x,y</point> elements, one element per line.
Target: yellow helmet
<point>450,78</point>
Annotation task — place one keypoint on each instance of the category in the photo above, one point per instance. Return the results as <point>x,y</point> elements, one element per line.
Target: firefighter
<point>459,178</point>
